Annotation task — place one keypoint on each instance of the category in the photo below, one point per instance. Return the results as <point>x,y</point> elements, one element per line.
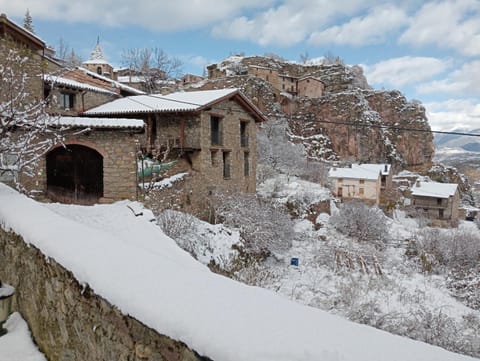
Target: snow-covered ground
<point>107,247</point>
<point>17,344</point>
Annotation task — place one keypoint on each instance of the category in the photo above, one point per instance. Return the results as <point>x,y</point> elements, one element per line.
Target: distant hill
<point>465,142</point>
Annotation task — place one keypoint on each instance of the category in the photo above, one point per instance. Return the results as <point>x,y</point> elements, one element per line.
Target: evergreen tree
<point>28,22</point>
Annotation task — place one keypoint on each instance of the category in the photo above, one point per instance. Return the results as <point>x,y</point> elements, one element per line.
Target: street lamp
<point>6,293</point>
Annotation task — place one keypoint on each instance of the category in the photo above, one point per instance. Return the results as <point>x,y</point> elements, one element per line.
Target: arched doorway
<point>75,174</point>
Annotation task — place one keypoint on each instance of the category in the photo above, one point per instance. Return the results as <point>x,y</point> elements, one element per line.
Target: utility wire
<point>352,124</point>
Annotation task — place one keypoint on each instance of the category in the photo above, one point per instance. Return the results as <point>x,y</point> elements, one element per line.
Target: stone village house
<point>438,202</point>
<point>211,134</point>
<point>306,86</point>
<point>369,183</point>
<point>96,161</point>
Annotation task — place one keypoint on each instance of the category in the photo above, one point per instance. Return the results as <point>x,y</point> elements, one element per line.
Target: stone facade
<point>81,100</point>
<point>222,165</point>
<point>310,87</point>
<point>68,321</point>
<point>118,149</point>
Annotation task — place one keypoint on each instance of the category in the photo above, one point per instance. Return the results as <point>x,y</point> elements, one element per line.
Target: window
<point>215,128</point>
<point>214,158</point>
<point>340,192</point>
<point>440,213</point>
<point>361,191</point>
<point>362,181</point>
<point>439,201</point>
<point>340,180</point>
<point>243,134</point>
<point>67,100</point>
<point>246,164</point>
<point>226,165</point>
<point>99,70</point>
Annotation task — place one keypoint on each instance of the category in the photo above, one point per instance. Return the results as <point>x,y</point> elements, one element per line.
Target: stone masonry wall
<point>210,161</point>
<point>71,323</point>
<point>118,148</point>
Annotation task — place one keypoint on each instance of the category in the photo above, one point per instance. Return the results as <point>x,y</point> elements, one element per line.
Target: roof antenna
<point>98,39</point>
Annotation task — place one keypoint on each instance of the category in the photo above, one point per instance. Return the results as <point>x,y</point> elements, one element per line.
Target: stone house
<point>80,89</point>
<point>436,201</point>
<point>96,160</point>
<point>211,134</point>
<point>95,163</point>
<point>310,86</point>
<point>366,182</point>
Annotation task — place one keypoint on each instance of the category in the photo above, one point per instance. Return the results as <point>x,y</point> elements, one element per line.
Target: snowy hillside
<point>107,247</point>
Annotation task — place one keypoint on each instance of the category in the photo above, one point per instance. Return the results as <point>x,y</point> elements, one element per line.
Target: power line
<point>353,124</point>
<point>397,128</point>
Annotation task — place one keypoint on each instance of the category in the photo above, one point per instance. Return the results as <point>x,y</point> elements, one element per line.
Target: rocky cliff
<point>349,121</point>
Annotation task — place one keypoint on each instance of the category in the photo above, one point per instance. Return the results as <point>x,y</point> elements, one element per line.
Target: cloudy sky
<point>429,50</point>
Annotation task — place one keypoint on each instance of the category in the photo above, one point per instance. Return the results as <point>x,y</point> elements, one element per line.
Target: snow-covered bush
<point>178,226</point>
<point>264,228</point>
<point>212,245</point>
<point>365,224</point>
<point>450,247</point>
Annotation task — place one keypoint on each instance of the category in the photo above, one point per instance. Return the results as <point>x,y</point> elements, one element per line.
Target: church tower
<point>97,62</point>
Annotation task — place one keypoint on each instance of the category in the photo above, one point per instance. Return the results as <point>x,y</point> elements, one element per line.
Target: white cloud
<point>373,28</point>
<point>288,23</point>
<point>461,82</point>
<point>155,15</point>
<point>447,24</point>
<point>405,70</point>
<point>454,114</point>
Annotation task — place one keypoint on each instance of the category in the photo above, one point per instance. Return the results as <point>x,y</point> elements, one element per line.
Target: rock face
<point>348,122</point>
<point>364,125</point>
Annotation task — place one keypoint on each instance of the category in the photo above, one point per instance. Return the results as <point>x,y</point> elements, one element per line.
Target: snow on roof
<point>116,83</point>
<point>98,122</point>
<point>434,189</point>
<point>131,263</point>
<point>154,103</point>
<point>361,171</point>
<point>58,80</point>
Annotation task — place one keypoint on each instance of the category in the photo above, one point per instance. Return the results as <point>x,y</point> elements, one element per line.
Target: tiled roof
<point>154,103</point>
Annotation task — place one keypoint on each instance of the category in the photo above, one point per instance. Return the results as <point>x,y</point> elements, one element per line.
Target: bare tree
<point>152,65</point>
<point>25,132</point>
<point>365,224</point>
<point>264,227</point>
<point>67,55</point>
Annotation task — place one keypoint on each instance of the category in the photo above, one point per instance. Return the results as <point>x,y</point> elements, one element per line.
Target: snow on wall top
<point>98,122</point>
<point>175,102</point>
<point>434,189</point>
<point>132,264</point>
<point>361,171</point>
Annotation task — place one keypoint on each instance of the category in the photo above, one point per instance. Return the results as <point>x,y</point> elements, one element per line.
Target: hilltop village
<point>295,177</point>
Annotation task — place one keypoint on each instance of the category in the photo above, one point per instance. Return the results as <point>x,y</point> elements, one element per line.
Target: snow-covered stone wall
<point>68,321</point>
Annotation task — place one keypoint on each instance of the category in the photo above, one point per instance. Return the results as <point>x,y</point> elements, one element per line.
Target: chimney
<point>417,183</point>
<point>386,168</point>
